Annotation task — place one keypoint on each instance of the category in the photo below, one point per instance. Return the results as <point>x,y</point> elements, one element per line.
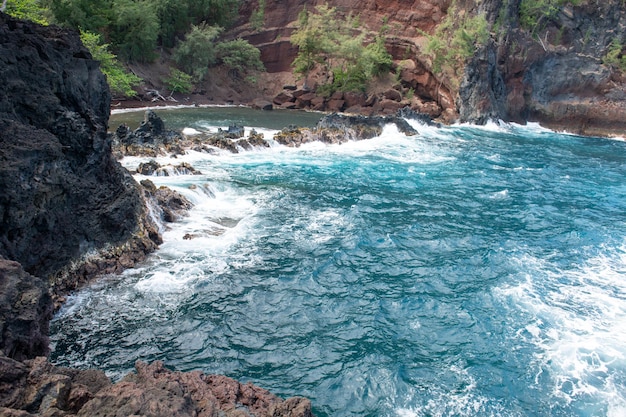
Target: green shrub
<point>121,82</point>
<point>197,52</point>
<point>534,14</point>
<point>455,40</point>
<point>135,30</point>
<point>28,10</point>
<point>257,19</point>
<point>614,56</point>
<point>340,48</point>
<point>239,55</point>
<point>179,82</point>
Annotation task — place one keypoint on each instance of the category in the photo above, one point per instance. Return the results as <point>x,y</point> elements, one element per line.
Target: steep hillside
<point>547,64</point>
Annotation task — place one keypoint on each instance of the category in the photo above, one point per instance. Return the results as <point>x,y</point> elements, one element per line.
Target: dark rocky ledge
<point>152,139</point>
<point>69,212</point>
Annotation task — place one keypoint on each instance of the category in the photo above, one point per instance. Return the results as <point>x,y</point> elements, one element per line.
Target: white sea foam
<point>463,401</point>
<point>578,326</point>
<point>171,107</point>
<point>190,131</point>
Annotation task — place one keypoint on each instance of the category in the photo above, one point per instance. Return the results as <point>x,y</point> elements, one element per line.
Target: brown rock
<point>283,98</point>
<point>289,106</point>
<point>262,104</point>
<point>157,391</point>
<point>318,103</point>
<point>305,100</point>
<point>300,92</point>
<point>335,105</point>
<point>354,99</point>
<point>393,95</point>
<point>390,106</point>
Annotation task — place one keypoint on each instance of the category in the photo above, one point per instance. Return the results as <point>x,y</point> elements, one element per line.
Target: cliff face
<point>552,72</point>
<point>61,192</point>
<point>555,75</point>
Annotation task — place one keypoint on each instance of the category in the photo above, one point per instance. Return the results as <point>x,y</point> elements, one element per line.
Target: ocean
<point>464,271</point>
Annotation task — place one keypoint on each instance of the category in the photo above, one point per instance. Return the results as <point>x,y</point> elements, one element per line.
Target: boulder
<point>318,103</point>
<point>387,106</point>
<point>393,95</point>
<point>354,99</point>
<point>336,105</point>
<point>283,98</point>
<point>25,313</point>
<point>262,104</point>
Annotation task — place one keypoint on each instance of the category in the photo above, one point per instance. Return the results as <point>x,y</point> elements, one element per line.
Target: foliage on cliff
<point>121,82</point>
<point>337,45</point>
<point>133,30</point>
<point>455,40</point>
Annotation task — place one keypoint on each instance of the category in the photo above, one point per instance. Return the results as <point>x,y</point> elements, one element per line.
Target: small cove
<point>464,271</point>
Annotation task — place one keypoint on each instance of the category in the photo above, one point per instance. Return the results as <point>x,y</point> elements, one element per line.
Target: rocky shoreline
<point>69,212</point>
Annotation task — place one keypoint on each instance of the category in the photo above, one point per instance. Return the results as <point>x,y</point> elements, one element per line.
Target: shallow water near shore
<point>466,271</point>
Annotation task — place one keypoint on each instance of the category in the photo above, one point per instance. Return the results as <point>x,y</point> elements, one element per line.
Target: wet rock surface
<point>341,128</point>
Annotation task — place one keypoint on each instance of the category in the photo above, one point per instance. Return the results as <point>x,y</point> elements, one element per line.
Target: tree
<point>179,82</point>
<point>88,15</point>
<point>240,56</point>
<point>309,38</point>
<point>121,82</point>
<point>339,47</point>
<point>135,30</point>
<point>26,9</point>
<point>197,52</point>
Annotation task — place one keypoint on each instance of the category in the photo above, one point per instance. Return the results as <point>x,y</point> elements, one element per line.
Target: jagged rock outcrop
<point>340,128</point>
<point>35,387</point>
<point>555,76</point>
<point>156,391</point>
<point>154,168</point>
<point>25,312</point>
<point>146,141</point>
<point>62,194</point>
<point>149,139</point>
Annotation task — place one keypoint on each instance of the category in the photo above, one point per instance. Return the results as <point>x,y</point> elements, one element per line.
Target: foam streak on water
<point>466,271</point>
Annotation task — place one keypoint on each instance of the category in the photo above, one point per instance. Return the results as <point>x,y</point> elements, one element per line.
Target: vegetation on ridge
<point>341,50</point>
<point>455,40</point>
<point>133,30</point>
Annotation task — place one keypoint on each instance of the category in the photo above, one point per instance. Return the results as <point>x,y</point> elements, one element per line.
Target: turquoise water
<point>463,272</point>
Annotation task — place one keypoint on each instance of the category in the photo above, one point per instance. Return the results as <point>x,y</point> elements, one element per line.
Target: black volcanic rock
<point>25,313</point>
<point>61,192</point>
